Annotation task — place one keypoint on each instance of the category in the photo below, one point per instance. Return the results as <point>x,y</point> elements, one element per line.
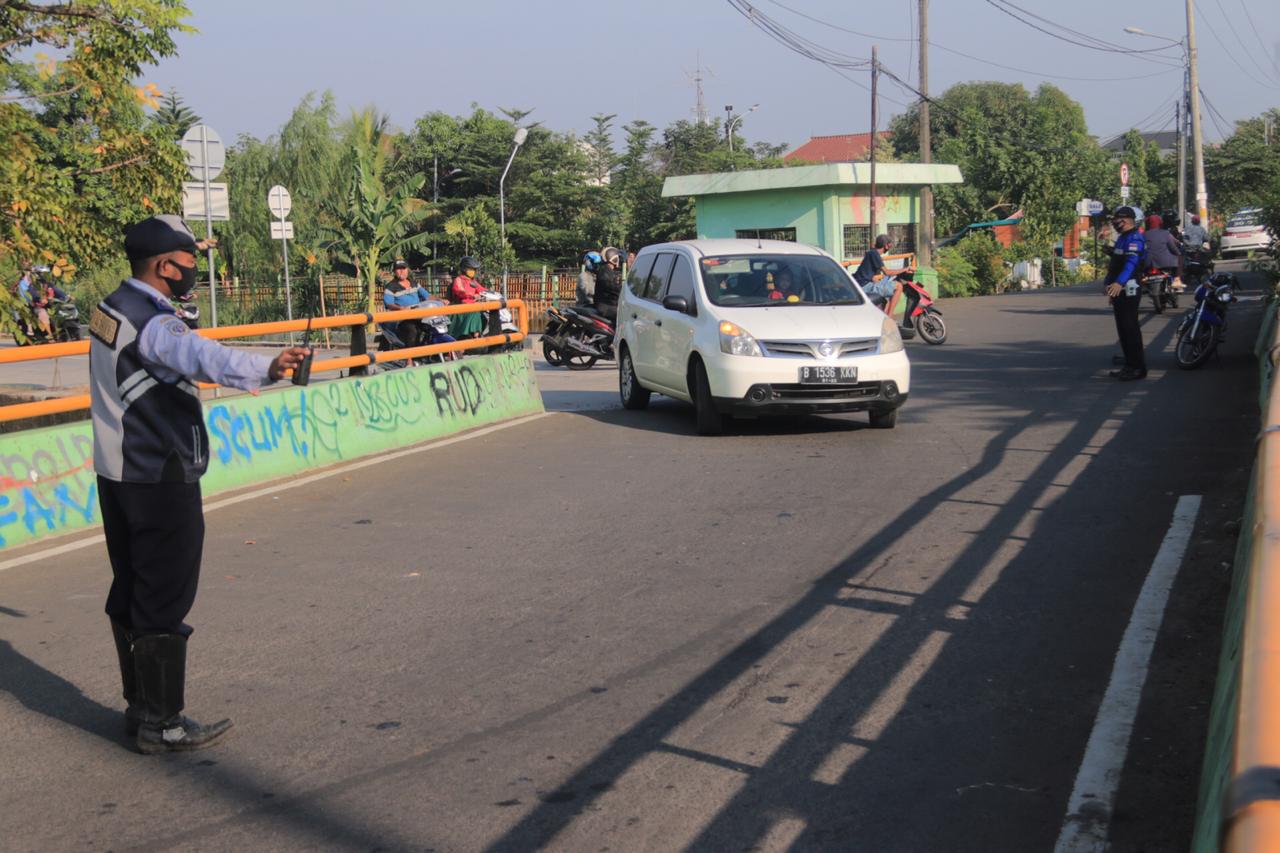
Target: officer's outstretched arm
<point>167,341</point>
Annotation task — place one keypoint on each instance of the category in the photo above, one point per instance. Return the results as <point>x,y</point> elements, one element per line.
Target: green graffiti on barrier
<point>47,484</point>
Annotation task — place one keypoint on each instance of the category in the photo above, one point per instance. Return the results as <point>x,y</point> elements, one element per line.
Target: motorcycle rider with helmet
<point>401,294</point>
<point>586,290</point>
<point>609,284</point>
<point>465,290</point>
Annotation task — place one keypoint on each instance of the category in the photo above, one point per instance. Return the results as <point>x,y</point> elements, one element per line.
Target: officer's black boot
<point>160,661</point>
<point>128,677</point>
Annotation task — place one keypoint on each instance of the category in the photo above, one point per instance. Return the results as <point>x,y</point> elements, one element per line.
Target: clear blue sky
<point>251,62</point>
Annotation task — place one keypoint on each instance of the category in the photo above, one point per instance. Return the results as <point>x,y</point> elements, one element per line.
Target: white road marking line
<point>67,547</point>
<point>1088,819</point>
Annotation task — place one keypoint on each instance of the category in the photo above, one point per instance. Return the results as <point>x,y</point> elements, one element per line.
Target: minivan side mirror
<point>677,303</point>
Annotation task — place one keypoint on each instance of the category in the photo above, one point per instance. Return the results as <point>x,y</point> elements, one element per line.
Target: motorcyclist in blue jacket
<point>1122,288</point>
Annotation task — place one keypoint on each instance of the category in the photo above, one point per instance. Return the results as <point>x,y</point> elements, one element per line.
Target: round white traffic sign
<point>1095,207</point>
<point>279,202</point>
<point>1124,174</point>
<point>206,155</point>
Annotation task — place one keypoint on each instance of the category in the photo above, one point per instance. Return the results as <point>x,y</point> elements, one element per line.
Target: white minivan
<point>755,327</point>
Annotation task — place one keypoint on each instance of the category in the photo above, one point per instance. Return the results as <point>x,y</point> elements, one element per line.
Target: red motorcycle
<point>918,311</point>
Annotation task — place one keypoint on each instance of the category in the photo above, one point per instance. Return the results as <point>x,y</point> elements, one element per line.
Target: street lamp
<point>732,121</point>
<point>522,133</point>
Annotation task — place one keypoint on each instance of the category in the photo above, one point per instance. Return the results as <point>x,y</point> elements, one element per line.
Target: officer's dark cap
<point>157,236</point>
<point>1125,213</point>
<point>400,264</point>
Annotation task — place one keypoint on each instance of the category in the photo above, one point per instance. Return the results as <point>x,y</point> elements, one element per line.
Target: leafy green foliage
<point>1244,170</point>
<point>174,115</point>
<point>376,218</point>
<point>955,274</point>
<point>985,257</point>
<point>80,161</point>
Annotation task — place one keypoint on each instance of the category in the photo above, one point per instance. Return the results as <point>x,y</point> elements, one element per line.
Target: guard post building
<point>825,205</point>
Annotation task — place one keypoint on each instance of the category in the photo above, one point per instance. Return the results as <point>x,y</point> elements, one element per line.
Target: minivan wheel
<point>710,421</point>
<point>884,419</point>
<point>634,395</point>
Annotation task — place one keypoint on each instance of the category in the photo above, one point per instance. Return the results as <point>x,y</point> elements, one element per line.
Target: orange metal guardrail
<point>1252,812</point>
<point>18,411</point>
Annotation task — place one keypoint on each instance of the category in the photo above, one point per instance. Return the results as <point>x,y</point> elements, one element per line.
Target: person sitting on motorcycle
<point>609,284</point>
<point>465,290</point>
<point>41,299</point>
<point>1163,251</point>
<point>586,290</point>
<point>1194,236</point>
<point>871,275</point>
<point>401,294</point>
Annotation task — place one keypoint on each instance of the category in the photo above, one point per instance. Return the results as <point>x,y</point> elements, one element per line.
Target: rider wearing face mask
<point>150,449</point>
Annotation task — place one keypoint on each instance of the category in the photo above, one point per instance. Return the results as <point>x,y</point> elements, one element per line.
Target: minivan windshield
<point>768,281</point>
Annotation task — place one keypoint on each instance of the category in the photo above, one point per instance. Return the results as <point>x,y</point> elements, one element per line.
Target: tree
<point>175,116</point>
<point>1016,150</point>
<point>377,216</point>
<point>80,162</point>
<point>1244,169</point>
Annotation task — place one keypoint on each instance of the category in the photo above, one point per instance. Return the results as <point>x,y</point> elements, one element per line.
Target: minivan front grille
<point>846,348</point>
<point>793,391</point>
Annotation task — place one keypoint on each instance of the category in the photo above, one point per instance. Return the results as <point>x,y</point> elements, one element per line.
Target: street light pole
<point>521,134</point>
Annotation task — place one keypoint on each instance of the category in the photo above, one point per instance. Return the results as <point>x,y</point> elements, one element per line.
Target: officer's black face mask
<point>181,286</point>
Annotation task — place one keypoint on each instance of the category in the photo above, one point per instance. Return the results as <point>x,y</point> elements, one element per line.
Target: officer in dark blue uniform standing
<point>1122,288</point>
<point>149,450</point>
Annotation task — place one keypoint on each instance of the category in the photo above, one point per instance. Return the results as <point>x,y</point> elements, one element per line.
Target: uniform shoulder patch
<point>175,327</point>
<point>104,327</point>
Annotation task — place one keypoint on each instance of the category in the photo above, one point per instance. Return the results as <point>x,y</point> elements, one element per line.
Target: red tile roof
<point>841,148</point>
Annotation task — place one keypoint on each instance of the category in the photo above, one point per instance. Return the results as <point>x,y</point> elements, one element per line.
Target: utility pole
<point>875,79</point>
<point>1197,137</point>
<point>924,251</point>
<point>1180,122</point>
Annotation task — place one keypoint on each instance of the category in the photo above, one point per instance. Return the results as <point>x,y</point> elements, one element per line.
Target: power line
<point>1240,41</point>
<point>1257,35</point>
<point>1222,44</point>
<point>1083,39</point>
<point>1216,115</point>
<point>981,59</point>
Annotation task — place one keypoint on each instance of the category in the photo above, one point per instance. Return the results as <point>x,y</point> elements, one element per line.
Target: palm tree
<point>376,219</point>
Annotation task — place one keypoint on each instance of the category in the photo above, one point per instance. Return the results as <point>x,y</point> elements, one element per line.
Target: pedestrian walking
<point>1121,286</point>
<point>150,449</point>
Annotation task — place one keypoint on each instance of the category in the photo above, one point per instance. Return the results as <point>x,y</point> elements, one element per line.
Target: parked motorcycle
<point>1204,326</point>
<point>1159,286</point>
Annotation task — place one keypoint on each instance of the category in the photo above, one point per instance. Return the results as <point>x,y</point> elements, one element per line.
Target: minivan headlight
<point>890,338</point>
<point>735,340</point>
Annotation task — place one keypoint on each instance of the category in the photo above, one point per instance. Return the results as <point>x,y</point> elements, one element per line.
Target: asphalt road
<point>597,631</point>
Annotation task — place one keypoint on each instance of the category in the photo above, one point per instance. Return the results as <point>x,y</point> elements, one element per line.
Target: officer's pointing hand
<point>288,359</point>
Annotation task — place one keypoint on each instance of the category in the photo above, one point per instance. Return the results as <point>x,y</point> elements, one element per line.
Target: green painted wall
<point>47,484</point>
<point>818,214</point>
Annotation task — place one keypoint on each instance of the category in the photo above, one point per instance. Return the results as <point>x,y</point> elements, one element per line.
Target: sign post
<point>279,202</point>
<point>206,155</point>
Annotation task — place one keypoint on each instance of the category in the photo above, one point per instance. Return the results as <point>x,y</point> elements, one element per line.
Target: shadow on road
<point>971,723</point>
<point>54,697</point>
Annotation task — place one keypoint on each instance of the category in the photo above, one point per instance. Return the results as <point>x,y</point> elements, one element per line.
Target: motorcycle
<point>429,331</point>
<point>506,323</point>
<point>1204,326</point>
<point>1197,265</point>
<point>586,338</point>
<point>64,317</point>
<point>557,323</point>
<point>919,313</point>
<point>187,309</point>
<point>1159,286</point>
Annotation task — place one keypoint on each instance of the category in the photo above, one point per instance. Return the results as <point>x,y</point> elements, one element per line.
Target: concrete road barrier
<point>48,487</point>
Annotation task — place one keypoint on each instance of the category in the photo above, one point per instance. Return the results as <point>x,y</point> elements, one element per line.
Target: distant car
<point>755,327</point>
<point>1245,232</point>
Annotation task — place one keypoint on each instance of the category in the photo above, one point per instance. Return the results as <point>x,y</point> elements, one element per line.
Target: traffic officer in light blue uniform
<point>1125,292</point>
<point>150,449</point>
